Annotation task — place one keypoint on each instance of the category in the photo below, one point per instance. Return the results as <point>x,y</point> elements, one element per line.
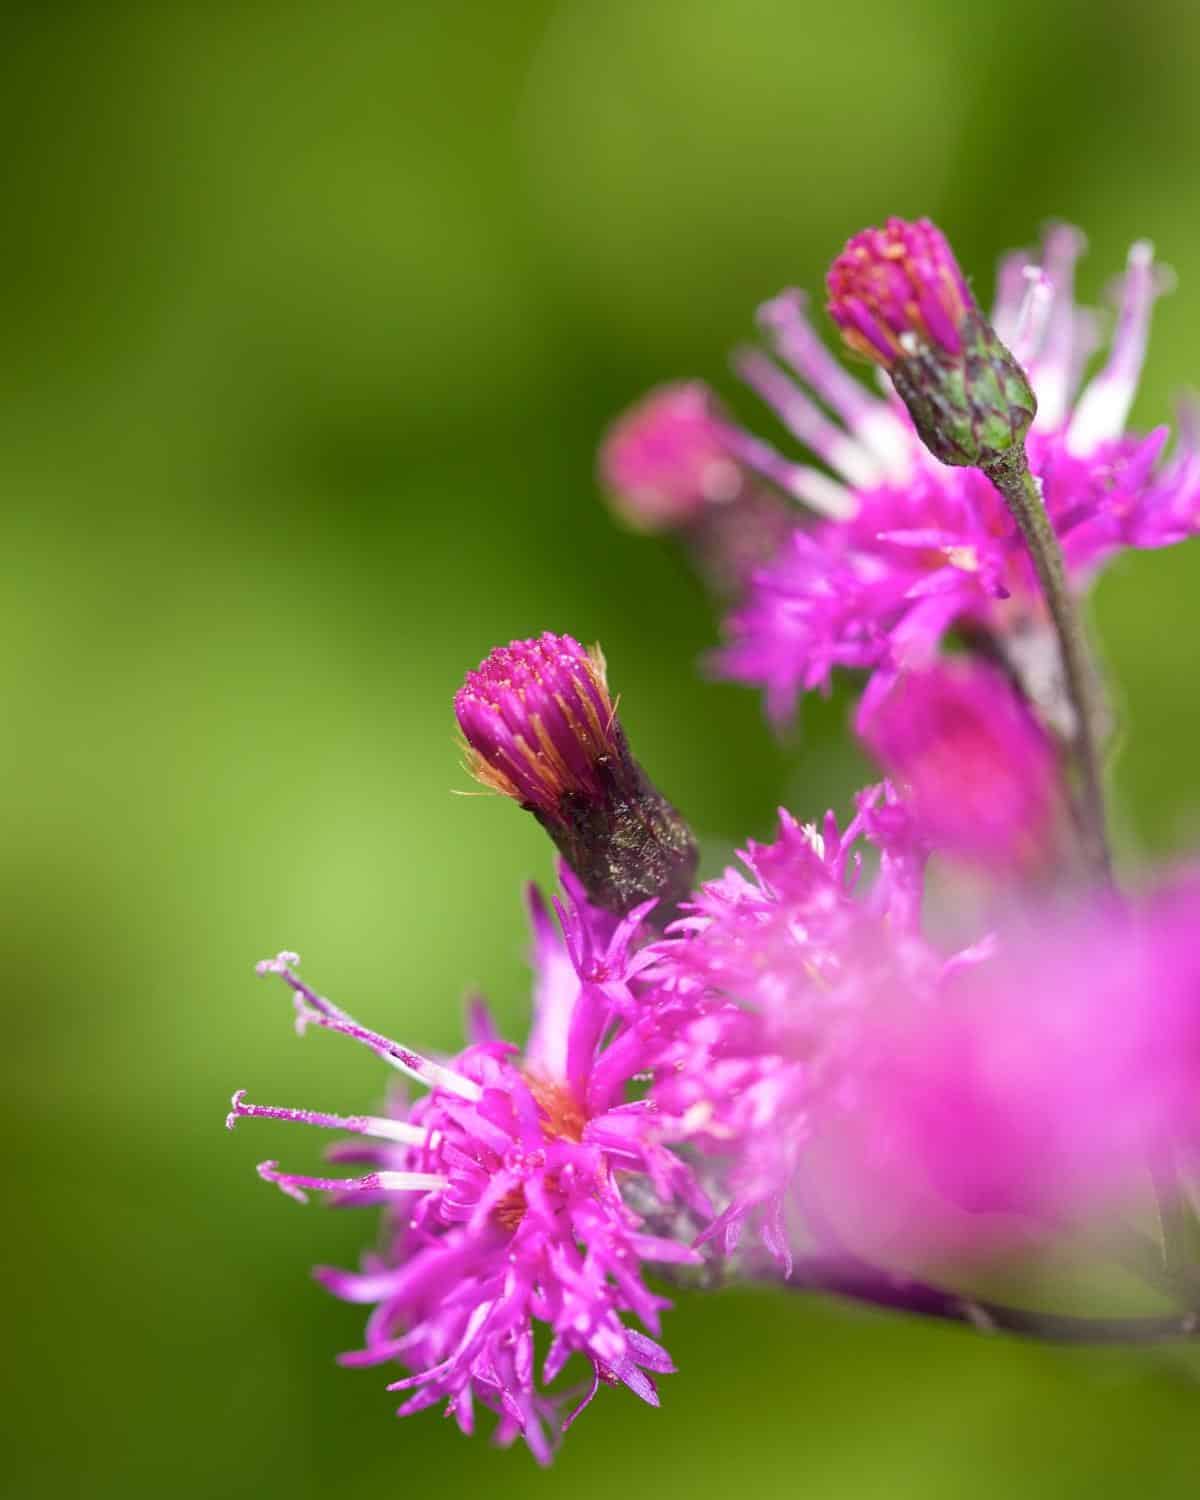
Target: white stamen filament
<point>383,1129</point>
<point>1031,318</point>
<point>411,1182</point>
<point>1102,410</point>
<point>822,494</point>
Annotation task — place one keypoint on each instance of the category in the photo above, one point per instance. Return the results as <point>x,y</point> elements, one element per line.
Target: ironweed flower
<point>780,967</point>
<point>524,1190</point>
<point>541,728</point>
<point>784,1059</point>
<point>846,1081</point>
<point>923,549</point>
<point>1045,1087</point>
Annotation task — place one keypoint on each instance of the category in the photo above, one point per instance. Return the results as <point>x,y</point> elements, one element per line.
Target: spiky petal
<point>522,1193</point>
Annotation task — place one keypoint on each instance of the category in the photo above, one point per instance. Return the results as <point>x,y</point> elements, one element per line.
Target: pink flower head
<point>981,774</point>
<point>906,549</point>
<point>541,728</point>
<point>666,459</point>
<point>522,1191</point>
<point>1040,1089</point>
<point>892,286</point>
<point>779,966</point>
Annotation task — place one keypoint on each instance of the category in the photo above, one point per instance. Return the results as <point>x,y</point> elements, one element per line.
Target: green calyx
<point>971,408</point>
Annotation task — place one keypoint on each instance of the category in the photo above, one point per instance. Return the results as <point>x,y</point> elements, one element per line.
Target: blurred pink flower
<point>675,462</point>
<point>1042,1087</point>
<point>981,775</point>
<point>777,970</point>
<point>666,459</point>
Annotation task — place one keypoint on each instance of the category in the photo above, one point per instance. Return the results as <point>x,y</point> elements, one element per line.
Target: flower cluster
<point>1046,1083</point>
<point>815,1068</point>
<point>904,549</point>
<point>778,969</point>
<point>519,1191</point>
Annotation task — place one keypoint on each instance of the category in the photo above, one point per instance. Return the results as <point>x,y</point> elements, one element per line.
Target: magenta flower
<point>844,1081</point>
<point>981,775</point>
<point>795,1071</point>
<point>541,728</point>
<point>923,549</point>
<point>1045,1086</point>
<point>780,967</point>
<point>522,1191</point>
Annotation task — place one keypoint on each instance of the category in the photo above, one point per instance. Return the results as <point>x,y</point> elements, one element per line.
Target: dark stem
<point>1012,477</point>
<point>858,1282</point>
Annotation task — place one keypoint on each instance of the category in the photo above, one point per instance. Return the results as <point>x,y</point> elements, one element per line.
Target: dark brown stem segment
<point>1011,475</point>
<point>857,1282</point>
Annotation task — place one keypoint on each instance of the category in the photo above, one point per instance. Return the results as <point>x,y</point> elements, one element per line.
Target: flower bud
<point>899,298</point>
<point>675,463</point>
<point>665,460</point>
<point>541,728</point>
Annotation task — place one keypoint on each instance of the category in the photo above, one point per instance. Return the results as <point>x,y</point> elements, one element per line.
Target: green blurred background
<point>312,316</point>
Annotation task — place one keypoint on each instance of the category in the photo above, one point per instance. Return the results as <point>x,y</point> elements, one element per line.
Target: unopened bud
<point>900,299</point>
<point>674,462</point>
<point>666,460</point>
<point>541,728</point>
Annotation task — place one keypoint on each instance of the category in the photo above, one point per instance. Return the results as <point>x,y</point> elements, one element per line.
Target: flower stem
<point>1022,494</point>
<point>858,1282</point>
<point>1011,475</point>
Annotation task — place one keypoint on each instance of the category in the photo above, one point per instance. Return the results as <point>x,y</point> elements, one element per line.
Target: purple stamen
<point>293,1184</point>
<point>376,1126</point>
